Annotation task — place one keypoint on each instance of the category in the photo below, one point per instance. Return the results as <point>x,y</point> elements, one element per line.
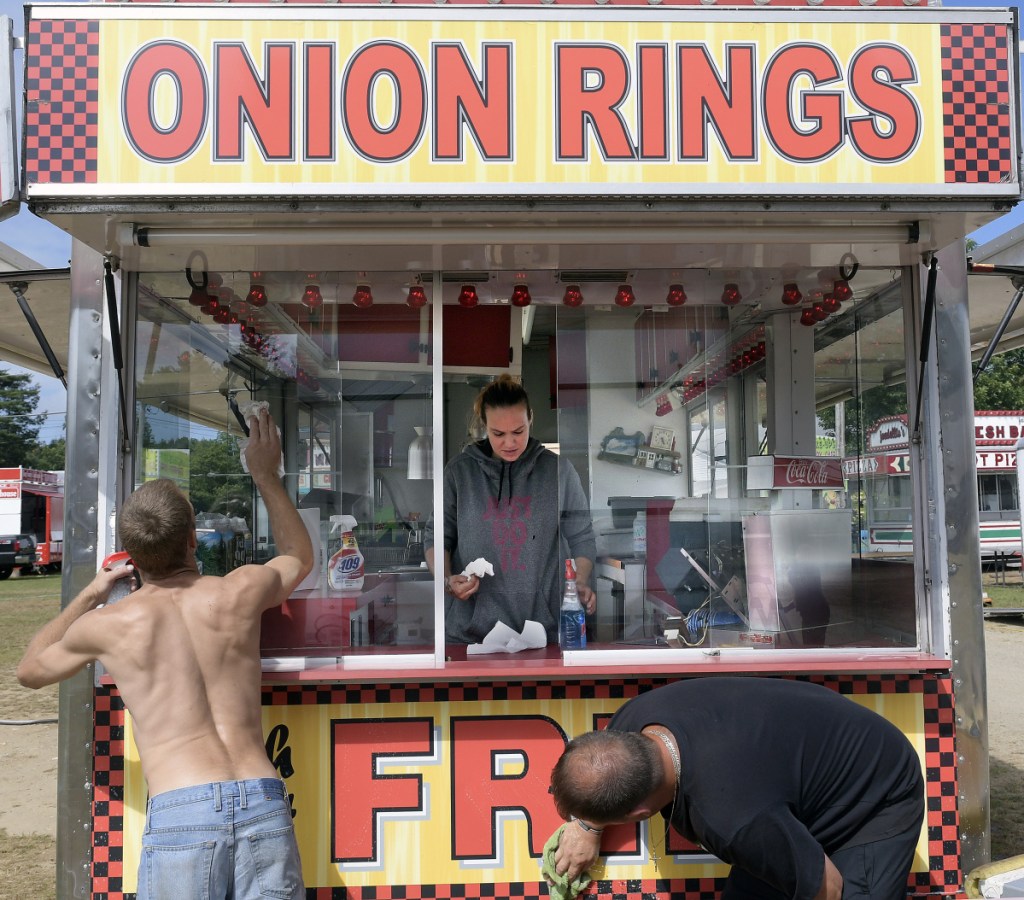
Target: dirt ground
<point>28,790</point>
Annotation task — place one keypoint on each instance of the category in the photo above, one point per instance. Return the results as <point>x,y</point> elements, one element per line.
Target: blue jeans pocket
<point>174,871</point>
<point>275,860</point>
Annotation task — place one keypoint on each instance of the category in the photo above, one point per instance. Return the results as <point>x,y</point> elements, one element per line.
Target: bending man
<point>805,793</point>
<point>183,650</point>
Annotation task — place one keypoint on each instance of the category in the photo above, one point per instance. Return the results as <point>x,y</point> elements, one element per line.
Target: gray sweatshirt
<point>512,515</point>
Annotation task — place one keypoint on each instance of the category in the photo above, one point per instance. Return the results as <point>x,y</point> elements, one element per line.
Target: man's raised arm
<point>294,556</point>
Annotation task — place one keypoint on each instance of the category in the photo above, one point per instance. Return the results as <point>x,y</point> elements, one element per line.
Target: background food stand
<point>357,213</point>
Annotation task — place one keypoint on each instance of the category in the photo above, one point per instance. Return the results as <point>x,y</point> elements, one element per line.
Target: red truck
<point>31,520</point>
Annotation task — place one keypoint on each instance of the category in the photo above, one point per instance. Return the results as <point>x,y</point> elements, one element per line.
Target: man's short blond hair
<point>155,526</point>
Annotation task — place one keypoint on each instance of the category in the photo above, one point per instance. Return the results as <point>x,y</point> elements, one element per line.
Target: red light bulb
<point>362,297</point>
<point>468,296</point>
<point>417,298</point>
<point>625,297</point>
<point>520,296</point>
<point>830,303</point>
<point>731,295</point>
<point>820,313</point>
<point>573,296</point>
<point>842,290</point>
<point>676,295</point>
<point>257,295</point>
<point>807,316</point>
<point>312,298</point>
<point>791,295</point>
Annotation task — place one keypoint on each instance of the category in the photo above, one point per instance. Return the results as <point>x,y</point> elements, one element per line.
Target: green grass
<point>25,605</point>
<point>1009,596</point>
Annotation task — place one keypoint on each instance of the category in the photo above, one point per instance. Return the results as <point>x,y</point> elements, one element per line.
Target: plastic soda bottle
<point>346,570</point>
<point>572,620</point>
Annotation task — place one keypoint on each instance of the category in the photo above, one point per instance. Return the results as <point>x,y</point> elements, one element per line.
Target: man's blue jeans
<point>226,839</point>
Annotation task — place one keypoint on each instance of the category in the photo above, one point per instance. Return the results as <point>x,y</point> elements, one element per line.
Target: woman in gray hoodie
<point>521,507</point>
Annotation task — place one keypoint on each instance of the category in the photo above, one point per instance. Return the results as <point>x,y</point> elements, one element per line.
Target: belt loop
<point>243,798</point>
<point>216,797</point>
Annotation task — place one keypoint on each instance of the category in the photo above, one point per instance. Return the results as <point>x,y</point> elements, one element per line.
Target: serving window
<point>677,397</point>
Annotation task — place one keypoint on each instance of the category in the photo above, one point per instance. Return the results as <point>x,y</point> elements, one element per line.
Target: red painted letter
<point>481,749</point>
<point>362,794</point>
<point>726,104</point>
<point>266,106</point>
<point>876,73</point>
<point>318,119</point>
<point>177,139</point>
<point>591,84</point>
<point>823,110</point>
<point>484,105</point>
<point>396,140</point>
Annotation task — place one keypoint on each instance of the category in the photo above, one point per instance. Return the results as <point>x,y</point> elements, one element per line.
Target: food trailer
<point>701,236</point>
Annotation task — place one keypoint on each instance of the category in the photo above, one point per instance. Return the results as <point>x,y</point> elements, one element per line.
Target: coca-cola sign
<point>820,473</point>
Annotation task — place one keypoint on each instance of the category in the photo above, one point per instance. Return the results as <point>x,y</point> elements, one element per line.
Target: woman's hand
<point>577,850</point>
<point>462,587</point>
<point>587,597</point>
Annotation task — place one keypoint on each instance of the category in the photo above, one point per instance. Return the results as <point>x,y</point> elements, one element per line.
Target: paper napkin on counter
<point>503,638</point>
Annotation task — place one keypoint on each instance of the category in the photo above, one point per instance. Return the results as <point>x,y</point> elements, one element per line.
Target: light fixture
<point>830,302</point>
<point>257,295</point>
<point>842,290</point>
<point>468,296</point>
<point>676,295</point>
<point>520,296</point>
<point>130,234</point>
<point>820,313</point>
<point>625,297</point>
<point>807,316</point>
<point>731,294</point>
<point>311,297</point>
<point>573,296</point>
<point>791,295</point>
<point>363,298</point>
<point>421,454</point>
<point>417,298</point>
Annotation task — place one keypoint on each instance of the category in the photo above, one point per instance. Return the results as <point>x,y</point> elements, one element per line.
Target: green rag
<point>560,887</point>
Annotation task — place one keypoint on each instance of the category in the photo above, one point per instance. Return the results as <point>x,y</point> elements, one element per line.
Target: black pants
<point>876,871</point>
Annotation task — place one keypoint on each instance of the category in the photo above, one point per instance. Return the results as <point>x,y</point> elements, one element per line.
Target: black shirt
<point>777,773</point>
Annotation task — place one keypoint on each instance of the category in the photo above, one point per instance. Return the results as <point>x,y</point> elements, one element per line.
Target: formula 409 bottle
<point>345,571</point>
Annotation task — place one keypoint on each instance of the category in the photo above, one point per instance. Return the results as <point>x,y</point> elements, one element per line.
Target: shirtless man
<point>183,650</point>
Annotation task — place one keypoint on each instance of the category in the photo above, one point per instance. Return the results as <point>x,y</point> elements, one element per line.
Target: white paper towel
<point>503,638</point>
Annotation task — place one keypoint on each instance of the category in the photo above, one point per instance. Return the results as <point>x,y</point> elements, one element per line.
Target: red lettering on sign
<point>363,793</point>
<point>177,139</point>
<point>527,745</point>
<point>395,140</point>
<point>318,118</point>
<point>483,105</point>
<point>876,75</point>
<point>726,104</point>
<point>791,81</point>
<point>243,98</point>
<point>591,83</point>
<point>652,123</point>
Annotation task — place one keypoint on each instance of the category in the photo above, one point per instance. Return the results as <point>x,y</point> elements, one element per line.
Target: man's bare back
<point>190,645</point>
<point>183,649</point>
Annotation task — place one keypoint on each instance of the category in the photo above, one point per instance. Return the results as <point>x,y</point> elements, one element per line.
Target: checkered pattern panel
<point>61,102</point>
<point>976,120</point>
<point>941,879</point>
<point>108,794</point>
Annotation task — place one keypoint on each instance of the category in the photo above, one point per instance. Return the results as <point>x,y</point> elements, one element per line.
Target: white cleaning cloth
<point>504,639</point>
<point>250,409</point>
<point>478,567</point>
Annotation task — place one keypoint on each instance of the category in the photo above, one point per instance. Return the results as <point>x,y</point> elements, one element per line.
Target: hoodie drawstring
<point>501,480</point>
